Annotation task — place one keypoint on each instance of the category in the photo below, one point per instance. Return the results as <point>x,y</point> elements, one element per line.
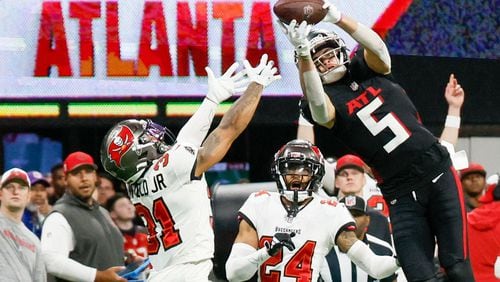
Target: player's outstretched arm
<point>245,257</point>
<point>219,89</point>
<point>454,95</point>
<point>376,54</point>
<point>305,130</point>
<point>237,118</point>
<point>358,252</point>
<point>322,109</point>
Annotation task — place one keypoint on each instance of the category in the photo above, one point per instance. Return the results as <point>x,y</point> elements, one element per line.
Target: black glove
<point>280,240</point>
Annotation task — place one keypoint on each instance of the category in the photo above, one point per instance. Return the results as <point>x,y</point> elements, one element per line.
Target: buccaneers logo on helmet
<point>122,142</point>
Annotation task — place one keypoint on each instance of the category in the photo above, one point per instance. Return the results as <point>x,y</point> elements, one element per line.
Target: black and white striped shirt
<point>339,268</point>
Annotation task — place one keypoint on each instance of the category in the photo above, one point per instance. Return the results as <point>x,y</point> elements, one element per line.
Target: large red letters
<point>52,45</point>
<point>154,49</point>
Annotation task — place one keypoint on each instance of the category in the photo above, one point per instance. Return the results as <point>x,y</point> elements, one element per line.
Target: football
<point>300,10</point>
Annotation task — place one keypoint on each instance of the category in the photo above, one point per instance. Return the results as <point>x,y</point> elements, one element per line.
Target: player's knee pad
<point>460,271</point>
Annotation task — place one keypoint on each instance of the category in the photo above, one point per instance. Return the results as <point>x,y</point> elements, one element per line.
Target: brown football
<point>300,10</point>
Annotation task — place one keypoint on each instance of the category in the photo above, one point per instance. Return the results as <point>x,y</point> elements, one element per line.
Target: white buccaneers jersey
<point>316,227</point>
<point>175,209</point>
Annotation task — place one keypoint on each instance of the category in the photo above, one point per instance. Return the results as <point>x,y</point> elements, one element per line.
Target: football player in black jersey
<point>366,110</point>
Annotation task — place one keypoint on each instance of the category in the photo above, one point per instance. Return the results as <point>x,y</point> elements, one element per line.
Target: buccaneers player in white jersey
<point>307,226</point>
<point>165,178</point>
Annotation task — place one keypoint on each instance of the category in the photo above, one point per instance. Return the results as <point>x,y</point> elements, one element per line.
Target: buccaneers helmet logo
<point>122,142</point>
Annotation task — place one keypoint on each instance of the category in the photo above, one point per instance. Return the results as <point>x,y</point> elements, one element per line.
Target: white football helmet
<point>326,45</point>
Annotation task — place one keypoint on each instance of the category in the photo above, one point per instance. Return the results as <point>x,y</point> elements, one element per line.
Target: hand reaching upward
<point>221,88</point>
<point>263,74</point>
<point>454,93</point>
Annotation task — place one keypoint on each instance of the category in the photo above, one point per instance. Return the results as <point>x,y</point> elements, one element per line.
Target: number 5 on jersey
<point>390,121</point>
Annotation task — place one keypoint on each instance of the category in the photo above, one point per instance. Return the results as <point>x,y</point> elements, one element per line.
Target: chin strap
<point>294,209</point>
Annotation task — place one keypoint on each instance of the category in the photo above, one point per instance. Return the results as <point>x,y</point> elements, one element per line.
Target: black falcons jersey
<point>377,120</point>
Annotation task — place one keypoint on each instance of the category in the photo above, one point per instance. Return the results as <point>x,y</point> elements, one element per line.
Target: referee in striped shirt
<point>338,267</point>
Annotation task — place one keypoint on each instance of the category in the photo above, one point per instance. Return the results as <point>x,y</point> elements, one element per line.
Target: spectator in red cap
<point>38,207</point>
<point>79,240</point>
<point>484,235</point>
<point>20,254</point>
<point>353,178</point>
<point>473,183</point>
<point>354,166</point>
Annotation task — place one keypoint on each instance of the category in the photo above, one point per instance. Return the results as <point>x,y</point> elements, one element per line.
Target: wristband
<point>452,121</point>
